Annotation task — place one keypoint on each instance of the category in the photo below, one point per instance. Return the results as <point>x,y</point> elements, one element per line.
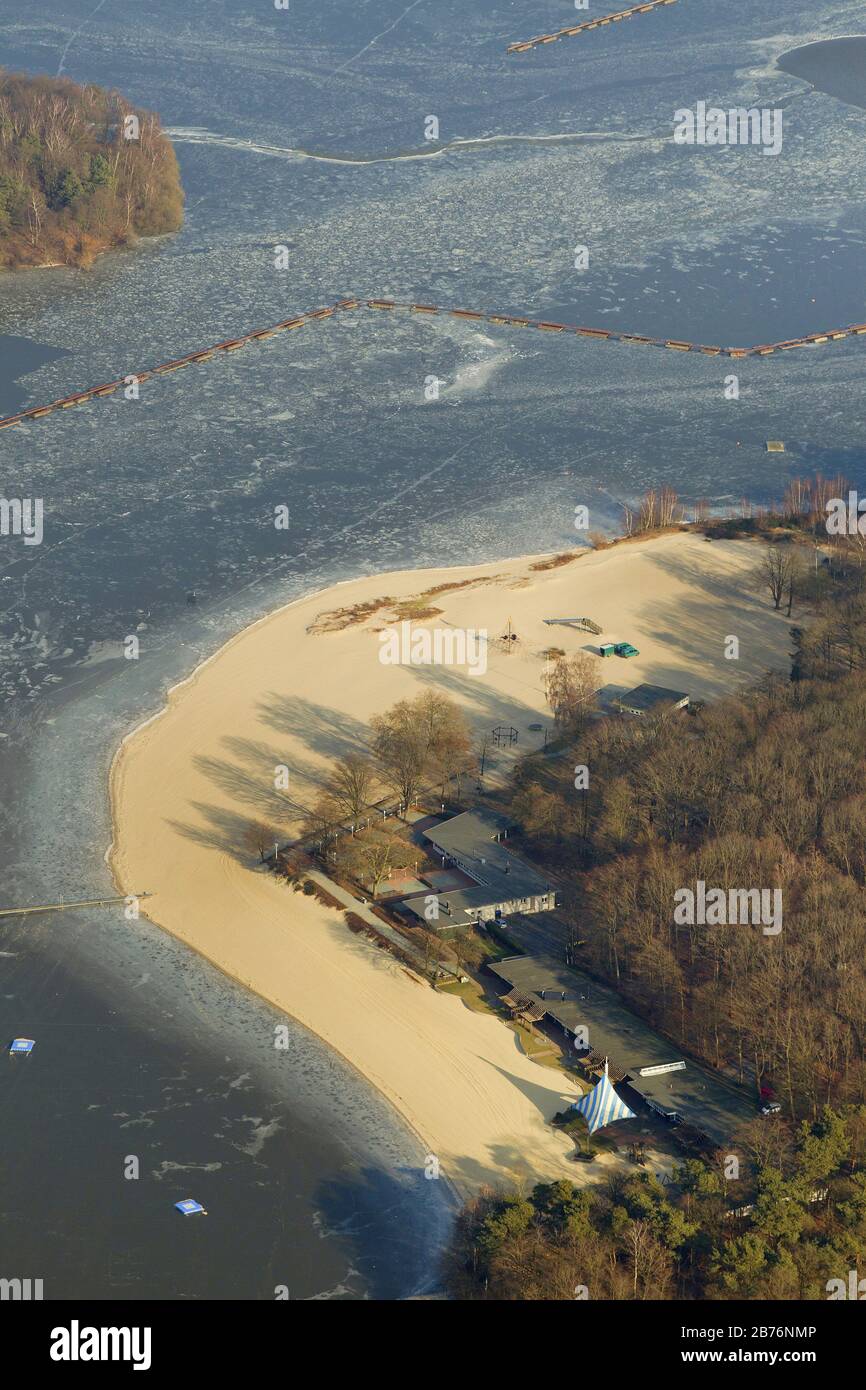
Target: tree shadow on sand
<point>482,703</point>
<point>328,732</point>
<point>251,788</point>
<point>248,776</point>
<point>224,830</point>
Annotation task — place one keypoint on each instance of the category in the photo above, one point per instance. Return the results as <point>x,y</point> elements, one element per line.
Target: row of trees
<point>807,505</point>
<point>415,746</point>
<point>805,501</point>
<point>659,507</point>
<point>640,1239</point>
<point>80,170</point>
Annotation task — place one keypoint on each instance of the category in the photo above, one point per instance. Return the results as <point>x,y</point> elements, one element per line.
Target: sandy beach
<point>298,688</point>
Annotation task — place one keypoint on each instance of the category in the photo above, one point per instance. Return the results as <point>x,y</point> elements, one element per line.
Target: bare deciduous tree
<point>259,837</point>
<point>401,749</point>
<point>774,571</point>
<point>371,855</point>
<point>351,784</point>
<point>570,686</point>
<point>417,739</point>
<point>322,819</point>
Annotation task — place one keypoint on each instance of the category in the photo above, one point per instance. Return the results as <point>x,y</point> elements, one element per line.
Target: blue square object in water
<point>188,1207</point>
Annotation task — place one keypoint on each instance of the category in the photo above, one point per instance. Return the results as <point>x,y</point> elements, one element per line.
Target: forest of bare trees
<point>768,789</point>
<point>81,170</point>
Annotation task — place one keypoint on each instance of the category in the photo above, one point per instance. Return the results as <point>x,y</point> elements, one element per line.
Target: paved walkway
<point>366,914</point>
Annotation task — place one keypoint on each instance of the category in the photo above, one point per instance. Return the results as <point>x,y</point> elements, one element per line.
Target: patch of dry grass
<point>553,562</point>
<point>416,607</point>
<point>339,618</point>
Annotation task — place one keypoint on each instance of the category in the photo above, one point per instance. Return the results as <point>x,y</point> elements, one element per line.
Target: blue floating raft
<point>23,1046</point>
<point>188,1207</point>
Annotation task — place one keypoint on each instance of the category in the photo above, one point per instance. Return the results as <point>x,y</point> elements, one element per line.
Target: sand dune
<point>186,784</point>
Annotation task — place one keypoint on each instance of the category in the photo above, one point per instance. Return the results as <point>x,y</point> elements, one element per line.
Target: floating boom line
<point>525,44</point>
<point>502,320</point>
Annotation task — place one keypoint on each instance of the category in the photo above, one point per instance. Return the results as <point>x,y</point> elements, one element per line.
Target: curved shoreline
<point>845,87</point>
<point>457,1078</point>
<point>403,1109</point>
<point>235,637</point>
<point>172,692</point>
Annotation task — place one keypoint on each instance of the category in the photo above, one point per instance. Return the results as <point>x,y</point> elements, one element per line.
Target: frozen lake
<point>305,129</point>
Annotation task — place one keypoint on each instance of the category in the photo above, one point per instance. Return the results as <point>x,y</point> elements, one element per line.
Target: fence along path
<point>503,320</point>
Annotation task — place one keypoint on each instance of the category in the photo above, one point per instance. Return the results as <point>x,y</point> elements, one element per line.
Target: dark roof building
<point>652,699</point>
<point>474,842</point>
<point>650,1066</point>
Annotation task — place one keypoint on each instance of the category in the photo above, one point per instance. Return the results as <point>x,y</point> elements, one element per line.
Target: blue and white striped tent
<point>602,1105</point>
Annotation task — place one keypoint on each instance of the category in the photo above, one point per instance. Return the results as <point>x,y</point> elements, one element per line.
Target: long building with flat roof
<point>652,699</point>
<point>474,842</point>
<point>652,1068</point>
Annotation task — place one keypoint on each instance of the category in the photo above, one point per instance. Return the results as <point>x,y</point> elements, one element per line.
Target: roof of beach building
<point>646,697</point>
<point>470,839</point>
<point>461,904</point>
<point>699,1095</point>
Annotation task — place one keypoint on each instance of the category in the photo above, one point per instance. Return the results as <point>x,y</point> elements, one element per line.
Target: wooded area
<point>780,1222</point>
<point>81,170</point>
<point>765,789</point>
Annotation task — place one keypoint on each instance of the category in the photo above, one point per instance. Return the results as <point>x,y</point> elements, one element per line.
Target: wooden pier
<point>67,907</point>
